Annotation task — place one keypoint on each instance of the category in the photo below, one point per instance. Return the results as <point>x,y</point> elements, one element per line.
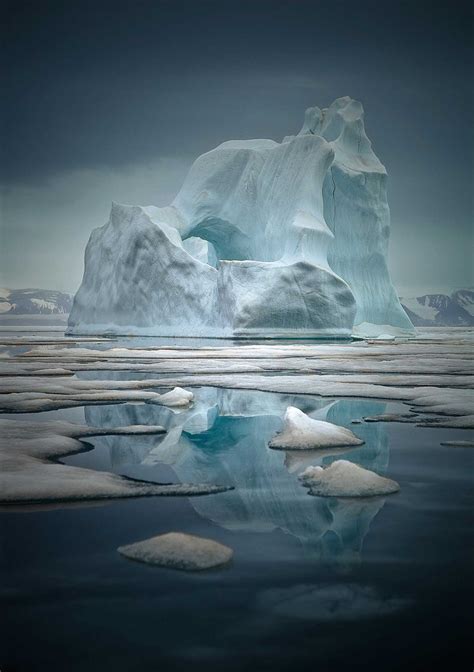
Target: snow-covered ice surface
<point>345,479</point>
<point>264,239</point>
<point>433,375</point>
<point>67,392</point>
<point>179,551</point>
<point>301,432</point>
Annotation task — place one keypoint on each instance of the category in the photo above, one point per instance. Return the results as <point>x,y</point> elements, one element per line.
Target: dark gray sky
<point>113,100</point>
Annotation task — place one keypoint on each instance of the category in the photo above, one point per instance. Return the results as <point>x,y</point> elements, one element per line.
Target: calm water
<point>315,583</point>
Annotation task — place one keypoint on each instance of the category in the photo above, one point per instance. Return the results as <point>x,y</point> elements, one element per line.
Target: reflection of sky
<point>224,439</point>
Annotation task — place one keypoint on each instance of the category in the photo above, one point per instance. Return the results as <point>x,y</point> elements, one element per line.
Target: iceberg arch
<point>264,239</point>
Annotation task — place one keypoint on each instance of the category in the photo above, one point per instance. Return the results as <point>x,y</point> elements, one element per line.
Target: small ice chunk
<point>176,397</point>
<point>300,432</point>
<point>346,479</point>
<point>179,551</point>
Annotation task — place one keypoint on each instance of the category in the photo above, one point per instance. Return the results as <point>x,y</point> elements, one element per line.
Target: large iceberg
<point>264,239</point>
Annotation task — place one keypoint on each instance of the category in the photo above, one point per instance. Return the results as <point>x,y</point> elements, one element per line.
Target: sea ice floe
<point>461,422</point>
<point>434,376</point>
<point>458,444</point>
<point>33,394</point>
<point>393,417</point>
<point>179,551</point>
<point>360,349</point>
<point>30,473</point>
<point>434,400</point>
<point>346,479</point>
<point>300,432</point>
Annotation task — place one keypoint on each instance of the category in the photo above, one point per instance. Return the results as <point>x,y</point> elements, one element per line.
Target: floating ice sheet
<point>30,473</point>
<point>433,376</point>
<point>300,432</point>
<point>179,551</point>
<point>346,479</point>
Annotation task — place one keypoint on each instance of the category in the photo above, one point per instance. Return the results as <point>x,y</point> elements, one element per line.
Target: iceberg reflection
<point>224,439</point>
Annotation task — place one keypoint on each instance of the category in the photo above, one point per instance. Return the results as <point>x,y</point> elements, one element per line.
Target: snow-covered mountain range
<point>34,302</point>
<point>441,310</point>
<point>429,310</point>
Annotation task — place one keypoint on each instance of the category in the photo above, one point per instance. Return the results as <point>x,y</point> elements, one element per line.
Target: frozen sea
<point>315,583</point>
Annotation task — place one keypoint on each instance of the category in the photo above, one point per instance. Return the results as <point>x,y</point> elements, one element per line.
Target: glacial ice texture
<point>264,239</point>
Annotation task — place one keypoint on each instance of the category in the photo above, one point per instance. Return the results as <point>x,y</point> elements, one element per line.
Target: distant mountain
<point>441,310</point>
<point>34,302</point>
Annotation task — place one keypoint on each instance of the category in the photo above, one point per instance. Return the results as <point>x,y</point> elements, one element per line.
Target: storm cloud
<point>113,100</point>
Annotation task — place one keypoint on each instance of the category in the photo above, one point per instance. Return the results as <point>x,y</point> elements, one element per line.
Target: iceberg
<point>264,239</point>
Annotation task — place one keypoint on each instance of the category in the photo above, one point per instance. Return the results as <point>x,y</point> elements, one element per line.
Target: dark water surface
<point>315,583</point>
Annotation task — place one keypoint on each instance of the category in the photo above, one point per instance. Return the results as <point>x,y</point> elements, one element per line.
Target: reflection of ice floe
<point>224,438</point>
<point>345,479</point>
<point>337,602</point>
<point>350,522</point>
<point>300,432</point>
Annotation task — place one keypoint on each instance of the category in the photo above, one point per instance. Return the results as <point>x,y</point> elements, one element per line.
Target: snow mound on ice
<point>176,397</point>
<point>346,479</point>
<point>300,432</point>
<point>179,551</point>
